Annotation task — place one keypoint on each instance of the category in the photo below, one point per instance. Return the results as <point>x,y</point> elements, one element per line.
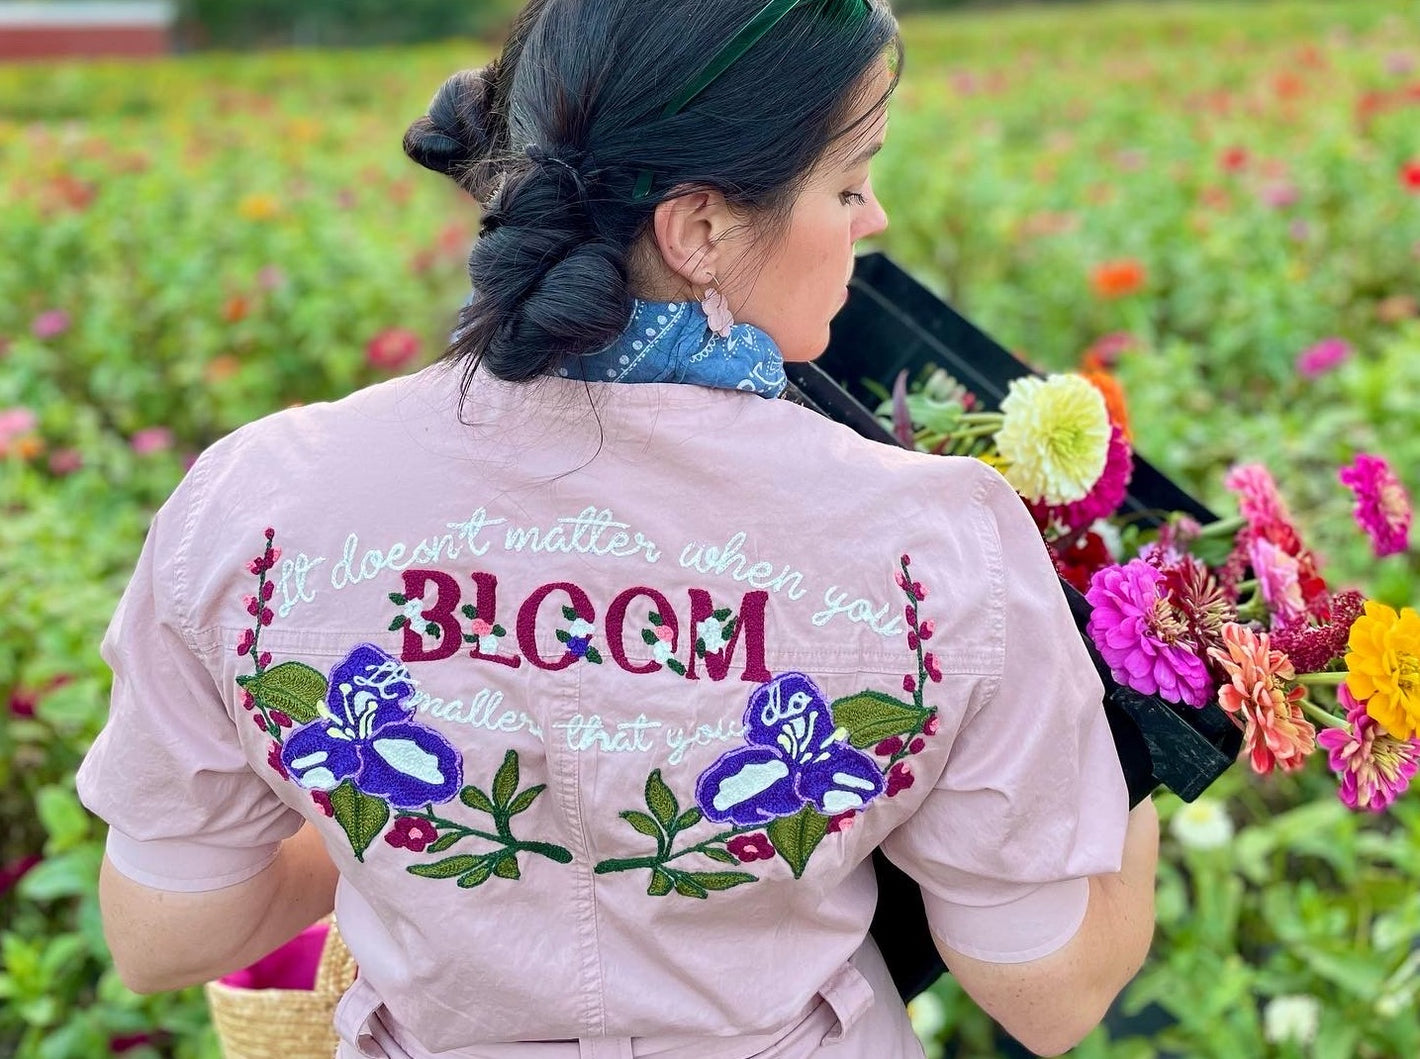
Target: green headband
<point>769,16</point>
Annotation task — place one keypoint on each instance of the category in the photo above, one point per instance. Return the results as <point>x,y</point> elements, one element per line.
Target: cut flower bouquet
<point>1236,612</point>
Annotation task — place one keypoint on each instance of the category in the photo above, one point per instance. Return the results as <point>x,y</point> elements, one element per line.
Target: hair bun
<point>460,129</point>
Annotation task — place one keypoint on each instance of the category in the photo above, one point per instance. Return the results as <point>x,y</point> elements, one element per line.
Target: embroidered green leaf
<point>796,837</point>
<point>499,631</point>
<point>649,637</point>
<point>294,688</point>
<point>644,824</point>
<point>724,856</point>
<point>507,868</point>
<point>362,816</point>
<point>434,629</point>
<point>721,614</point>
<point>475,799</point>
<point>524,801</point>
<point>505,783</point>
<point>661,801</point>
<point>563,635</point>
<point>700,646</point>
<point>728,632</point>
<point>594,656</point>
<point>467,638</point>
<point>661,883</point>
<point>656,619</point>
<point>447,842</point>
<point>570,613</point>
<point>398,623</point>
<point>688,887</point>
<point>720,880</point>
<point>675,667</point>
<point>398,599</point>
<point>687,819</point>
<point>478,876</point>
<point>871,717</point>
<point>446,869</point>
<point>469,611</point>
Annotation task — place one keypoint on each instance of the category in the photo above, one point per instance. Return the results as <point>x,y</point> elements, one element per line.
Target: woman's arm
<point>163,940</point>
<point>1050,1004</point>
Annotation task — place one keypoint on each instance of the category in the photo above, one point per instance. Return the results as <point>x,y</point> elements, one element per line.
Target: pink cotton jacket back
<point>601,697</point>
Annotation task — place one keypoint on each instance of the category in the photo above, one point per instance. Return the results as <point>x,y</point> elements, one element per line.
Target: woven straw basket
<point>285,1023</point>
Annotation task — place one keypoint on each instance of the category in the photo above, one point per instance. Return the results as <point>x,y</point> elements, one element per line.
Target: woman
<point>579,675</point>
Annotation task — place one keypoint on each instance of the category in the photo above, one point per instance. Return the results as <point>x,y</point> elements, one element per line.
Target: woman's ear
<point>688,229</point>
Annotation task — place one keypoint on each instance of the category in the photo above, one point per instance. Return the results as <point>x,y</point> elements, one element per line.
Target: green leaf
<point>64,819</point>
<point>447,842</point>
<point>688,887</point>
<point>661,800</point>
<point>563,636</point>
<point>475,799</point>
<point>361,815</point>
<point>433,629</point>
<point>675,667</point>
<point>656,619</point>
<point>724,856</point>
<point>796,837</point>
<point>398,599</point>
<point>505,783</point>
<point>294,688</point>
<point>499,631</point>
<point>478,876</point>
<point>661,883</point>
<point>871,717</point>
<point>524,801</point>
<point>644,824</point>
<point>507,868</point>
<point>687,819</point>
<point>569,613</point>
<point>70,874</point>
<point>469,611</point>
<point>649,637</point>
<point>721,880</point>
<point>398,623</point>
<point>447,868</point>
<point>594,656</point>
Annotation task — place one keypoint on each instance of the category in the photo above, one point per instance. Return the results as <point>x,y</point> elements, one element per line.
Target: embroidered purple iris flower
<point>367,734</point>
<point>796,756</point>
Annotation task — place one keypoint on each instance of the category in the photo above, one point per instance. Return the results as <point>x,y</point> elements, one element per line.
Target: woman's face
<point>804,281</point>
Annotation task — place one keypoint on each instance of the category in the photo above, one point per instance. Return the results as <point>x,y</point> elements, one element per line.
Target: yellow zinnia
<point>1384,667</point>
<point>1055,437</point>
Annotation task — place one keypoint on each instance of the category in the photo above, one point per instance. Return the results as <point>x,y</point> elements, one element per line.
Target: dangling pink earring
<point>718,311</point>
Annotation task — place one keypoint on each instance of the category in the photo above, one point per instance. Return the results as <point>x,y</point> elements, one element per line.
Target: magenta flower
<point>50,324</point>
<point>750,848</point>
<point>150,440</point>
<point>1326,355</point>
<point>1279,576</point>
<point>65,461</point>
<point>1374,768</point>
<point>899,778</point>
<point>1383,508</point>
<point>413,833</point>
<point>1143,637</point>
<point>1103,498</point>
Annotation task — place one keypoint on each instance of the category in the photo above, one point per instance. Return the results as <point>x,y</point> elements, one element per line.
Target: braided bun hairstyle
<point>553,147</point>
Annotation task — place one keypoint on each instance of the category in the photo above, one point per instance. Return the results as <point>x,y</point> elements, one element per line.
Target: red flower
<point>749,848</point>
<point>392,349</point>
<point>412,833</point>
<point>322,799</point>
<point>842,822</point>
<point>900,778</point>
<point>1117,279</point>
<point>1410,176</point>
<point>1234,159</point>
<point>273,758</point>
<point>889,746</point>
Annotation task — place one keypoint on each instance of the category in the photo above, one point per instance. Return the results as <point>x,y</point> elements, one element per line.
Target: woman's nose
<point>872,220</point>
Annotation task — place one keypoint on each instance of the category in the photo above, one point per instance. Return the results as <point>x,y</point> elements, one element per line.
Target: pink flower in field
<point>392,349</point>
<point>150,440</point>
<point>1326,355</point>
<point>1279,194</point>
<point>1374,767</point>
<point>1383,507</point>
<point>1142,635</point>
<point>1279,578</point>
<point>271,277</point>
<point>50,324</point>
<point>12,873</point>
<point>65,461</point>
<point>1399,63</point>
<point>15,423</point>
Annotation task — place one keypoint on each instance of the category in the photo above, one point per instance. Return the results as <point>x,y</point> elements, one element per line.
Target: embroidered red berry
<point>899,778</point>
<point>929,663</point>
<point>251,604</point>
<point>926,629</point>
<point>264,660</point>
<point>912,641</point>
<point>906,559</point>
<point>750,848</point>
<point>322,799</point>
<point>268,590</point>
<point>260,721</point>
<point>245,644</point>
<point>933,725</point>
<point>282,721</point>
<point>889,746</point>
<point>910,612</point>
<point>909,683</point>
<point>273,758</point>
<point>917,745</point>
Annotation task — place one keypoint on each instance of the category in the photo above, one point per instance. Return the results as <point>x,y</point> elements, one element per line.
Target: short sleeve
<point>1032,799</point>
<point>186,812</point>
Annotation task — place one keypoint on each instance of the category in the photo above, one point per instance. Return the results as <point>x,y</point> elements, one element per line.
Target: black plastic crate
<point>891,323</point>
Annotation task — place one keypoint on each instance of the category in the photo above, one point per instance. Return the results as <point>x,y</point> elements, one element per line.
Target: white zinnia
<point>488,644</point>
<point>580,628</point>
<point>1054,437</point>
<point>712,633</point>
<point>1292,1018</point>
<point>413,610</point>
<point>928,1015</point>
<point>1203,824</point>
<point>661,651</point>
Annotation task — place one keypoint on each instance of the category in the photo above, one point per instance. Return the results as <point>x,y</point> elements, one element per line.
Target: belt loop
<point>605,1048</point>
<point>850,995</point>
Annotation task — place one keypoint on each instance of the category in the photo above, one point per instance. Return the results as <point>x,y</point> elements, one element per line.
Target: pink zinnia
<point>392,349</point>
<point>1275,732</point>
<point>1103,500</point>
<point>1279,578</point>
<point>1383,507</point>
<point>50,324</point>
<point>150,440</point>
<point>1327,354</point>
<point>1143,637</point>
<point>1259,499</point>
<point>1374,767</point>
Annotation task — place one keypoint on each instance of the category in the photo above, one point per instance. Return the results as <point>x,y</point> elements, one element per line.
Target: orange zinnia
<point>1115,279</point>
<point>1114,400</point>
<point>1275,732</point>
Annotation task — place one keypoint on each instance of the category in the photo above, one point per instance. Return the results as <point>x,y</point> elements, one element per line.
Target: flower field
<point>1216,205</point>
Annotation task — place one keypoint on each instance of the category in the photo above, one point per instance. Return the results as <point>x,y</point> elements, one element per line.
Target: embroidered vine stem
<point>915,595</point>
<point>664,856</point>
<point>503,839</point>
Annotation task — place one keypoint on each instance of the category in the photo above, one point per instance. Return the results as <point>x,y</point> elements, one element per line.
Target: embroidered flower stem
<point>919,632</point>
<point>458,832</point>
<point>270,718</point>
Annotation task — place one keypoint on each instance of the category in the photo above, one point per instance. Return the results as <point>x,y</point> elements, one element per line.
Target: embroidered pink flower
<point>1274,730</point>
<point>273,758</point>
<point>917,745</point>
<point>244,645</point>
<point>412,833</point>
<point>842,822</point>
<point>909,684</point>
<point>150,440</point>
<point>1143,637</point>
<point>1383,506</point>
<point>50,324</point>
<point>1325,356</point>
<point>322,800</point>
<point>750,848</point>
<point>899,778</point>
<point>933,725</point>
<point>1373,767</point>
<point>478,627</point>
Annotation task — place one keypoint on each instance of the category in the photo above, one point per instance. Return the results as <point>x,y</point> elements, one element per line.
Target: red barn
<point>85,29</point>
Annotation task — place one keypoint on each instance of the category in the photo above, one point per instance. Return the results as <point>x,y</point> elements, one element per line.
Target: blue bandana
<point>672,342</point>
